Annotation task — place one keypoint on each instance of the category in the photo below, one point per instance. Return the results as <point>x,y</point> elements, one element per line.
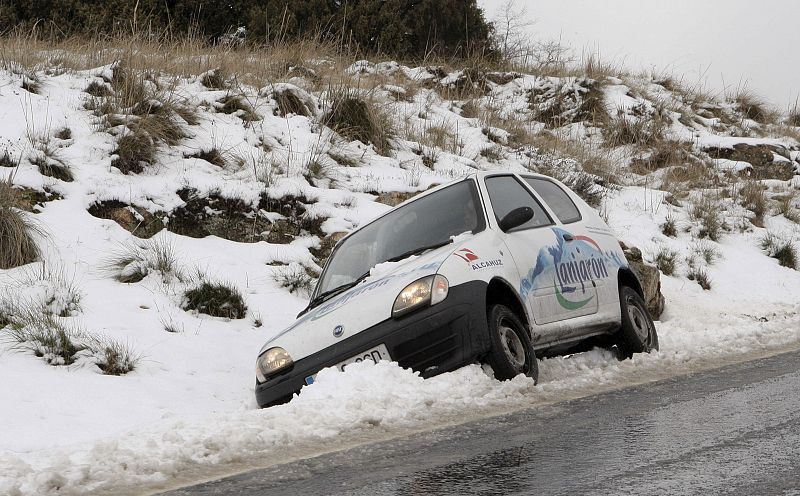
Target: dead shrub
<point>359,119</point>
<point>668,228</point>
<point>558,105</point>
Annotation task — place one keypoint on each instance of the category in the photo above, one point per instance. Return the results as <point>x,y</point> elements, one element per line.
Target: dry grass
<point>752,196</point>
<point>359,118</point>
<point>793,117</point>
<point>17,232</point>
<point>292,102</point>
<point>705,211</point>
<point>593,160</point>
<point>135,151</point>
<point>643,132</point>
<point>754,107</point>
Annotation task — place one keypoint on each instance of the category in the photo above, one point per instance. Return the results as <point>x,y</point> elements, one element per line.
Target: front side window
<point>428,221</point>
<point>556,198</point>
<point>507,194</point>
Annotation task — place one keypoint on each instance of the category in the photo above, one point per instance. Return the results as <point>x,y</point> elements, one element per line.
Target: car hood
<point>358,308</point>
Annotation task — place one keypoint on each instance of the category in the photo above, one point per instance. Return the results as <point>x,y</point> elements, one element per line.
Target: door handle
<point>568,237</point>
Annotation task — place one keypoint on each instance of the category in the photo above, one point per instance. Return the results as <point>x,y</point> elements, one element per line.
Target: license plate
<point>373,355</point>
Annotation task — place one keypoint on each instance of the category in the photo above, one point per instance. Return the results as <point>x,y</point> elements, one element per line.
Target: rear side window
<point>556,198</point>
<point>506,194</point>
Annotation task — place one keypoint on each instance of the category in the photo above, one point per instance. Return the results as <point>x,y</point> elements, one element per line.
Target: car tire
<point>637,334</point>
<point>512,352</point>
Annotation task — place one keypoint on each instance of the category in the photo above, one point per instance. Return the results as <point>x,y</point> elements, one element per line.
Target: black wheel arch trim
<point>626,277</point>
<point>517,304</point>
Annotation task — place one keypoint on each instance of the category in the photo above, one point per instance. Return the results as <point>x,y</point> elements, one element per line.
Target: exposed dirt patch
<point>135,220</point>
<point>28,199</point>
<point>296,222</point>
<point>214,215</point>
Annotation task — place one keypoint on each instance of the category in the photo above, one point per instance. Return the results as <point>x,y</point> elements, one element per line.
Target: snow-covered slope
<point>258,214</point>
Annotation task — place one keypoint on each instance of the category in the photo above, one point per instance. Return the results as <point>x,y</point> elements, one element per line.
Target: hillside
<point>181,205</point>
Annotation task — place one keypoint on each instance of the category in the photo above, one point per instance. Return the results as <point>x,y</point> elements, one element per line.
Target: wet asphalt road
<point>734,430</point>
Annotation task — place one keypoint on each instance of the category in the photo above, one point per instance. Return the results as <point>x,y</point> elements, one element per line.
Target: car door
<point>551,283</point>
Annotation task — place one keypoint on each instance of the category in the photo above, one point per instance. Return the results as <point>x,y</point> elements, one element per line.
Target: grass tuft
<point>216,299</point>
<point>782,250</point>
<point>359,119</point>
<point>295,278</point>
<point>700,276</point>
<point>669,228</point>
<point>135,151</point>
<point>17,245</point>
<point>212,156</point>
<point>666,260</point>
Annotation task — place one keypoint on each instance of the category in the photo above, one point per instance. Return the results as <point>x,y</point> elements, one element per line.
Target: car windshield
<point>427,222</point>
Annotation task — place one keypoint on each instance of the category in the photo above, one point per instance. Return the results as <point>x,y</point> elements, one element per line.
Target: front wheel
<point>637,334</point>
<point>512,352</point>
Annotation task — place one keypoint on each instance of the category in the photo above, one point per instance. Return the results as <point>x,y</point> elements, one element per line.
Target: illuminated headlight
<point>271,361</point>
<point>426,291</point>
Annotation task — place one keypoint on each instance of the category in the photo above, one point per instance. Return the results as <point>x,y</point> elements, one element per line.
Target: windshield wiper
<point>326,295</point>
<point>417,251</point>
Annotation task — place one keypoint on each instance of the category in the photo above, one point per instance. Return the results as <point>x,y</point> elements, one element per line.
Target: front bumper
<point>431,341</point>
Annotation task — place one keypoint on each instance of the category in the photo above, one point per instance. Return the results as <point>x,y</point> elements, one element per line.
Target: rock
<point>761,157</point>
<point>649,277</point>
<point>394,198</point>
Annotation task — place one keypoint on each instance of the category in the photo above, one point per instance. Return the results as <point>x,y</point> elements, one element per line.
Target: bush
<point>217,300</point>
<point>17,246</point>
<point>356,118</point>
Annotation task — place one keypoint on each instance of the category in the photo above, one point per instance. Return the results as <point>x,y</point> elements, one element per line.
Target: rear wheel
<point>512,353</point>
<point>637,334</point>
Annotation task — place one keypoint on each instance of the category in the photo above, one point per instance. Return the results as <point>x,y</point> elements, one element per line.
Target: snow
<point>188,410</point>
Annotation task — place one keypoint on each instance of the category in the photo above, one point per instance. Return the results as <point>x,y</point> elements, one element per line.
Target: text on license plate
<point>374,355</point>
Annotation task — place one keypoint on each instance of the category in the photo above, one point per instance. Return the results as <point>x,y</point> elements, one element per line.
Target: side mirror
<point>516,218</point>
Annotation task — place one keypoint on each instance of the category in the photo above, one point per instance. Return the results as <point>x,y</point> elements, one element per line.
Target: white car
<point>486,269</point>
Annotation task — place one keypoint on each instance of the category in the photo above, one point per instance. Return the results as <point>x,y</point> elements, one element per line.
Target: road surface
<point>729,430</point>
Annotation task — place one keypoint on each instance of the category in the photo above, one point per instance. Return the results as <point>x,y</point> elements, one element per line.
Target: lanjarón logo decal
<point>570,266</point>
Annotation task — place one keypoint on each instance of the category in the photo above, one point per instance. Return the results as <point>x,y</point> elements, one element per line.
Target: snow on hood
<point>375,297</point>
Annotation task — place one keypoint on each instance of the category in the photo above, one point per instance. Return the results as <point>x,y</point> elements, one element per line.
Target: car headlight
<point>426,291</point>
<point>271,361</point>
